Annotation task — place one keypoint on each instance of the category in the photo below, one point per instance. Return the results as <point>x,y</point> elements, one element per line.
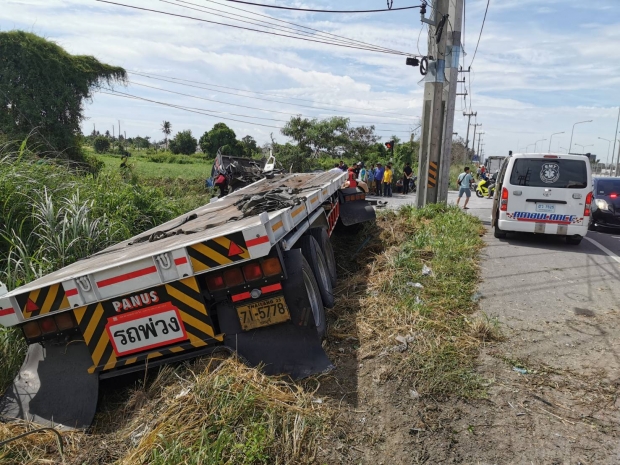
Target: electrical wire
<point>322,11</point>
<point>481,29</point>
<point>208,87</point>
<point>251,29</point>
<point>210,112</point>
<point>246,96</point>
<point>257,22</point>
<point>328,36</point>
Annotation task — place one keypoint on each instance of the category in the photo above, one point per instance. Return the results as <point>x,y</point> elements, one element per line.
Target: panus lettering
<point>145,329</point>
<point>136,301</point>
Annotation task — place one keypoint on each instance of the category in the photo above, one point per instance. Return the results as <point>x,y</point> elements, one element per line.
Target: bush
<point>183,143</point>
<point>101,144</point>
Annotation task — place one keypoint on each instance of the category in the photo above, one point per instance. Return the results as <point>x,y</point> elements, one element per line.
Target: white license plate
<point>146,329</point>
<point>545,207</point>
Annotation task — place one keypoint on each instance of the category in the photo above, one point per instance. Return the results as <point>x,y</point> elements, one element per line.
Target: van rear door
<point>549,189</point>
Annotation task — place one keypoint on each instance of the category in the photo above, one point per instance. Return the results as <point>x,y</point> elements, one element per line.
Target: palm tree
<point>166,128</point>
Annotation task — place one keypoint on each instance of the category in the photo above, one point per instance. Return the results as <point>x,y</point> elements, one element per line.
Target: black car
<point>605,204</point>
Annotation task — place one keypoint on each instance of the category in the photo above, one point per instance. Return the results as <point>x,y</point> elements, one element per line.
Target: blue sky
<point>542,65</point>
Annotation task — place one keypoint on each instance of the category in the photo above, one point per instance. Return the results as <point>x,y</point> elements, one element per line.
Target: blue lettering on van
<point>555,218</point>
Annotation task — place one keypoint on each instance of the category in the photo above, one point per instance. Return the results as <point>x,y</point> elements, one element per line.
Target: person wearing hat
<point>378,172</point>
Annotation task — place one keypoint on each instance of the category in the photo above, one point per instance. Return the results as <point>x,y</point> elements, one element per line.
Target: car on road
<point>544,194</point>
<point>605,204</point>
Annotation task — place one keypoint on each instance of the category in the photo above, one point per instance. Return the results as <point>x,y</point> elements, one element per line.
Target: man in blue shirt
<point>379,170</point>
<point>465,180</point>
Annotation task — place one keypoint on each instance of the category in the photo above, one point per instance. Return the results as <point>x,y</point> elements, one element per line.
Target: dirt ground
<point>551,390</point>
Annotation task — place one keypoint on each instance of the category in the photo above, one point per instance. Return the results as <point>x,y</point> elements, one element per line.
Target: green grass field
<point>148,169</point>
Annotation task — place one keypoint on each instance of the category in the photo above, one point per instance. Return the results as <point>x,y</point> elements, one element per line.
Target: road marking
<point>611,255</point>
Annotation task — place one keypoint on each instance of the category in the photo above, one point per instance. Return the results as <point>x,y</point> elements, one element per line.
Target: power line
<point>481,29</point>
<point>210,112</point>
<point>251,29</point>
<point>205,86</point>
<point>288,22</point>
<point>245,96</point>
<point>254,21</point>
<point>322,11</point>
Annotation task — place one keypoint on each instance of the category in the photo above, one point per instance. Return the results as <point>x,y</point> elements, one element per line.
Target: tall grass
<point>51,216</point>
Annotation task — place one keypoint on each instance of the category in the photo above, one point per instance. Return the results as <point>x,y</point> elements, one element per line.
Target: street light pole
<point>527,148</point>
<point>608,149</point>
<point>536,144</point>
<point>570,146</point>
<point>551,138</point>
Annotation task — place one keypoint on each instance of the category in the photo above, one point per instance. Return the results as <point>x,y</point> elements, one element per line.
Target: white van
<point>543,194</point>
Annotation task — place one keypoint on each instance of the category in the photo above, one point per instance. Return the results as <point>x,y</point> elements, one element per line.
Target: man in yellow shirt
<point>387,181</point>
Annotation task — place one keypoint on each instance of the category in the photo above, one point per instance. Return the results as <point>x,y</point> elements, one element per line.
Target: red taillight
<point>233,277</point>
<point>252,272</point>
<point>215,282</point>
<point>586,210</point>
<point>48,325</point>
<point>271,266</point>
<point>613,196</point>
<point>32,330</point>
<point>551,156</point>
<point>65,321</point>
<point>504,202</point>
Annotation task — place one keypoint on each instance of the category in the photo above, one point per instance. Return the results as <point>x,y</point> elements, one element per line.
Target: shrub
<point>101,144</point>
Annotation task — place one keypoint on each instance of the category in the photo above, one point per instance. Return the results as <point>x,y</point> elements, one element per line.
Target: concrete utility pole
<point>453,51</point>
<point>469,115</point>
<point>432,133</point>
<point>473,145</point>
<point>479,142</point>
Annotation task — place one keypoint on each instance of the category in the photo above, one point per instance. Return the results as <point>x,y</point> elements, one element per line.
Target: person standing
<point>379,170</point>
<point>464,181</point>
<point>343,166</point>
<point>361,175</point>
<point>371,179</point>
<point>407,173</point>
<point>387,181</point>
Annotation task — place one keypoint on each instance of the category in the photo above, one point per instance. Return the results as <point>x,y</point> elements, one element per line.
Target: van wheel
<point>321,236</point>
<point>311,251</point>
<point>573,240</point>
<point>498,233</point>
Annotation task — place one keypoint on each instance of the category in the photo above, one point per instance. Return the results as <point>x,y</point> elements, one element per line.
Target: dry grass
<point>215,411</point>
<point>380,300</point>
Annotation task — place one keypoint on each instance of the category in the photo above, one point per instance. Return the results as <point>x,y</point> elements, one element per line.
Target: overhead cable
<point>211,112</point>
<point>251,29</point>
<point>323,11</point>
<point>207,86</point>
<point>266,24</point>
<point>481,29</point>
<point>244,106</point>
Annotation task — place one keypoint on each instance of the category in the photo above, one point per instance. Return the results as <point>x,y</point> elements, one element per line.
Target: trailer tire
<point>311,251</point>
<point>325,243</point>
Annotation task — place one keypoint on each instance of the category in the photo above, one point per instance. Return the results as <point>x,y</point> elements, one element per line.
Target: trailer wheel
<point>314,296</point>
<point>321,236</point>
<point>301,304</point>
<point>311,251</point>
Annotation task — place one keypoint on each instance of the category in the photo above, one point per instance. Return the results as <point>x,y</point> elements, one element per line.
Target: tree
<point>42,90</point>
<point>166,128</point>
<point>183,143</point>
<point>221,136</point>
<point>101,144</point>
<point>250,147</point>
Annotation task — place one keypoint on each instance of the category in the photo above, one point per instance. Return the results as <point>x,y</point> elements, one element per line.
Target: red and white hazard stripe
<point>127,278</point>
<point>8,315</point>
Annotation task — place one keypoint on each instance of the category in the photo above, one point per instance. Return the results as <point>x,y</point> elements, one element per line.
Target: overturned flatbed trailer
<point>249,273</point>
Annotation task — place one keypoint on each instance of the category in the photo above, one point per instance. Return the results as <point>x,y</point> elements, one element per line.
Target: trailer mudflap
<point>282,349</point>
<point>53,387</point>
<point>356,212</point>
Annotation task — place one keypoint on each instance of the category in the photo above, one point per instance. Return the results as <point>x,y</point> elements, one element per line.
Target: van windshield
<point>549,172</point>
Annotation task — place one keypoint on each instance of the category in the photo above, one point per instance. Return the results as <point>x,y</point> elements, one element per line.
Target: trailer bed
<point>219,221</point>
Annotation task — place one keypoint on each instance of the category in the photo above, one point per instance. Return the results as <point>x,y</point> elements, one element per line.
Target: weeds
<point>385,300</point>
